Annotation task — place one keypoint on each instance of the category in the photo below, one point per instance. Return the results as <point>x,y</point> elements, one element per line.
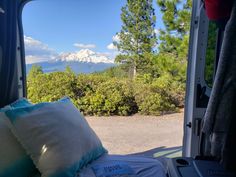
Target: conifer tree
<point>137,36</point>
<point>176,18</point>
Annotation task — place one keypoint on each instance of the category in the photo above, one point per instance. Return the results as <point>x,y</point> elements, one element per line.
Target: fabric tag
<point>112,169</point>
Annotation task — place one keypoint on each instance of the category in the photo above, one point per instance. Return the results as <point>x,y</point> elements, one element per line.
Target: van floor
<point>138,133</point>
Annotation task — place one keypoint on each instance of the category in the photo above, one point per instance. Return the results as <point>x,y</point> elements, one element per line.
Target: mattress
<point>123,166</point>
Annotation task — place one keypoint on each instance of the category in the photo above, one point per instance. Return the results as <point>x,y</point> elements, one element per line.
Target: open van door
<point>12,66</point>
<point>197,89</point>
<point>209,143</point>
<point>206,38</point>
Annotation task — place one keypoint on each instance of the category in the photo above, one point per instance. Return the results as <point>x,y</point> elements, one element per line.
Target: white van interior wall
<point>219,124</point>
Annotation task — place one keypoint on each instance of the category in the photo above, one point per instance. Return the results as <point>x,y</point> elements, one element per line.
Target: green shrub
<point>111,97</point>
<point>173,90</point>
<point>153,100</point>
<point>51,87</point>
<point>101,94</point>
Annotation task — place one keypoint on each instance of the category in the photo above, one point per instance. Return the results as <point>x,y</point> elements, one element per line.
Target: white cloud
<point>85,46</point>
<point>36,51</point>
<point>111,46</point>
<point>116,39</point>
<point>36,46</point>
<point>30,59</point>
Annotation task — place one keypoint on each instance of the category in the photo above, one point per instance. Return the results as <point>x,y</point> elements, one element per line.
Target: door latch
<point>189,125</point>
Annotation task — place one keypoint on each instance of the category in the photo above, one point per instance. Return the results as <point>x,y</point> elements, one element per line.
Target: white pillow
<point>14,162</point>
<point>57,137</point>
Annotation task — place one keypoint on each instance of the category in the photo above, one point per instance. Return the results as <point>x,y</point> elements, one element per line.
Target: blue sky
<point>71,25</point>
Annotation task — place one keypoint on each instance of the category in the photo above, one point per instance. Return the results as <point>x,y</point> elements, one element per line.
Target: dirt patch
<point>125,135</point>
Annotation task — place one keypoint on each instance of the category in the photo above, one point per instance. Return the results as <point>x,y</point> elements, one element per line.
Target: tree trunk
<point>134,72</point>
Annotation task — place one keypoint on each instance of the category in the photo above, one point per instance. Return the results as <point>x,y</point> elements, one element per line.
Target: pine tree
<point>137,36</point>
<point>176,17</point>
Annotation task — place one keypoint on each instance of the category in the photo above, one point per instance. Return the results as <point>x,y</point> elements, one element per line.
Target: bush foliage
<point>105,94</point>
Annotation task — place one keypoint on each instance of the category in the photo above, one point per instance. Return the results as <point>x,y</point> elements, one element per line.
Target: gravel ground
<point>126,135</point>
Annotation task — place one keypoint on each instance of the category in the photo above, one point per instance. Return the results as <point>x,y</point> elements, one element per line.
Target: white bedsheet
<point>108,166</point>
<point>123,166</point>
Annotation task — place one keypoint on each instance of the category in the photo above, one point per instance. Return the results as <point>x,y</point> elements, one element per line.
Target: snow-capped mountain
<point>83,61</point>
<point>85,55</point>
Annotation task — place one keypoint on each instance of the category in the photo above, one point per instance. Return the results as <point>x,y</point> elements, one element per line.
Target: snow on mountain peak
<point>85,55</point>
<point>86,52</point>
